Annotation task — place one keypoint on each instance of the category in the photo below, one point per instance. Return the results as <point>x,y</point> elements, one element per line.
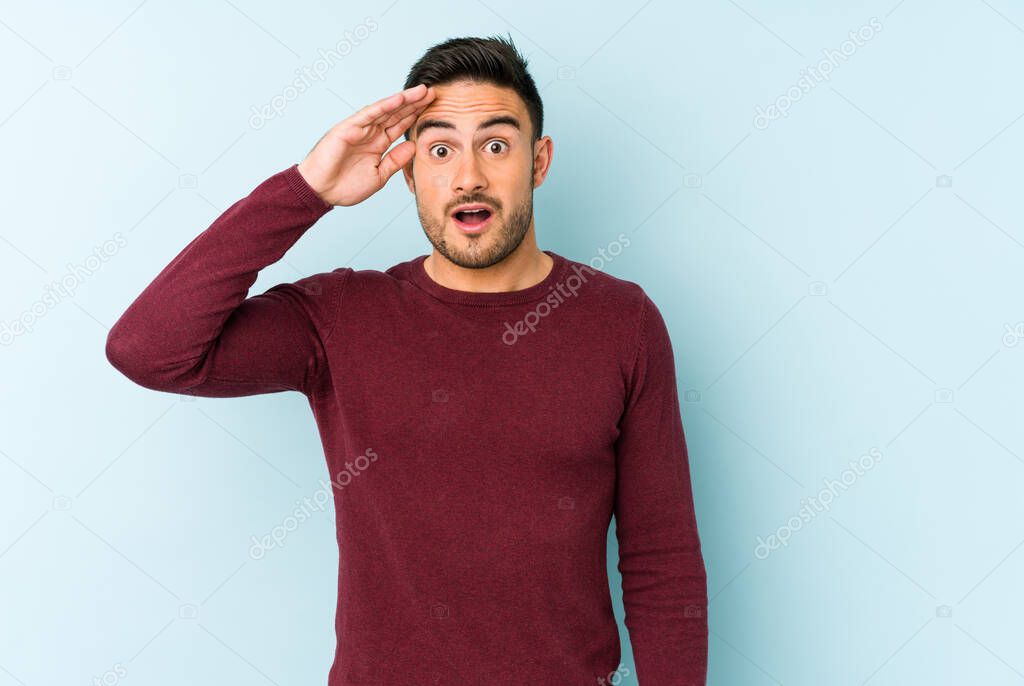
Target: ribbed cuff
<point>305,192</point>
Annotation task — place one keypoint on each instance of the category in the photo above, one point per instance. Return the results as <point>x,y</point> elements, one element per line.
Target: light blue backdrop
<point>831,225</point>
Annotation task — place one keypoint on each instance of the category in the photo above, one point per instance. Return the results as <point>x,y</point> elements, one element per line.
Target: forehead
<point>466,104</point>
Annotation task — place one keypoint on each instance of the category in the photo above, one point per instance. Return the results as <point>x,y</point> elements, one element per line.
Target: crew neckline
<point>419,276</point>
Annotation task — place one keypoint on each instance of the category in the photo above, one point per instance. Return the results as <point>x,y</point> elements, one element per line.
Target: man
<point>484,409</point>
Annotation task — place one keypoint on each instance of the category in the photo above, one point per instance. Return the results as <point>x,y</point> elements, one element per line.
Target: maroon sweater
<point>478,445</point>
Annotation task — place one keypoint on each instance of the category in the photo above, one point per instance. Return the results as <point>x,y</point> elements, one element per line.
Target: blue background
<point>843,278</point>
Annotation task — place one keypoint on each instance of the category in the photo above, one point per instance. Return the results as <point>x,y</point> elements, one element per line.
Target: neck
<point>526,266</point>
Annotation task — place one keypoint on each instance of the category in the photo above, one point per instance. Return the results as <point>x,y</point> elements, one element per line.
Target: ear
<point>410,181</point>
<point>543,150</point>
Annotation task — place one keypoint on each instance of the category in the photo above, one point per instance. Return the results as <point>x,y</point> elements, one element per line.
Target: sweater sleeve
<point>194,331</point>
<point>664,584</point>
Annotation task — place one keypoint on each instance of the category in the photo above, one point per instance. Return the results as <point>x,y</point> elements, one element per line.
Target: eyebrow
<point>442,124</point>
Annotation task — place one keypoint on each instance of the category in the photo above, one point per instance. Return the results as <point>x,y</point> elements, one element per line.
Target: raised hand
<point>348,164</point>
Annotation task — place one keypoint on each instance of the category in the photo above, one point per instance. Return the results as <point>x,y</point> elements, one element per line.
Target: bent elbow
<point>125,355</point>
<point>136,360</point>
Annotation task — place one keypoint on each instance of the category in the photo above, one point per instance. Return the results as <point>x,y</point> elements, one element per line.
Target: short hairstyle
<point>493,60</point>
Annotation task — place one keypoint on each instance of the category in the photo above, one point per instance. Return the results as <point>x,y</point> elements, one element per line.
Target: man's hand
<point>345,166</point>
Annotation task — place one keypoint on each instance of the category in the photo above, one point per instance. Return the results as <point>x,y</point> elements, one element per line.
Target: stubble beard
<point>503,236</point>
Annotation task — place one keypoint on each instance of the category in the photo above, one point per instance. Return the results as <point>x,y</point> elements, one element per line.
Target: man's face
<point>466,155</point>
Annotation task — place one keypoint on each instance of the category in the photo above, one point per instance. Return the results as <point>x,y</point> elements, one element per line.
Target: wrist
<point>300,184</point>
<point>310,177</point>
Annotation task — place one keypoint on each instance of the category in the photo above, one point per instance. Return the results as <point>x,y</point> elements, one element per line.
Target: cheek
<point>431,182</point>
<point>431,202</point>
<point>425,182</point>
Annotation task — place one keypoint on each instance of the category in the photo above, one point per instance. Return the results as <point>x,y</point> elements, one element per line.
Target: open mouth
<point>472,220</point>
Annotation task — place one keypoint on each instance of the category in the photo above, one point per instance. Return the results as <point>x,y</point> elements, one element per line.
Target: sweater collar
<point>418,275</point>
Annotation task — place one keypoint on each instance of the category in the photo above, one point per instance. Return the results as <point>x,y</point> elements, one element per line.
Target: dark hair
<point>493,60</point>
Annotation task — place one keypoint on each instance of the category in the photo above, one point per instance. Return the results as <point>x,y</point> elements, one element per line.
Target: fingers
<point>383,108</point>
<point>395,160</point>
<point>399,127</point>
<point>404,111</point>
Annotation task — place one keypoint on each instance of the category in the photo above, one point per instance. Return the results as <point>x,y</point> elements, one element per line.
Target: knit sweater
<point>478,444</point>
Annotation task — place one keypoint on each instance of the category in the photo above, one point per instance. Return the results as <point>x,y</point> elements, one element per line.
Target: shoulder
<point>347,293</point>
<point>614,313</point>
<point>346,282</point>
<point>617,298</point>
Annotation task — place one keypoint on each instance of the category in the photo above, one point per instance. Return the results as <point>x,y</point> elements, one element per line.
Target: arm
<point>664,584</point>
<point>193,331</point>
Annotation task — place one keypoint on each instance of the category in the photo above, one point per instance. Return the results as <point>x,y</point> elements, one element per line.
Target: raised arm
<point>664,584</point>
<point>194,331</point>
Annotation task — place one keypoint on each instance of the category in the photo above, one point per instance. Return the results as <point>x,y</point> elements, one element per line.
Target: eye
<point>495,146</point>
<point>435,147</point>
<point>491,144</point>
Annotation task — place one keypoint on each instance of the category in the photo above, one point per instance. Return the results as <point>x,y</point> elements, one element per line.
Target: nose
<point>469,177</point>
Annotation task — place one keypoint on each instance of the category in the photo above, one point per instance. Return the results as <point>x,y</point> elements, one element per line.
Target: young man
<point>484,409</point>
